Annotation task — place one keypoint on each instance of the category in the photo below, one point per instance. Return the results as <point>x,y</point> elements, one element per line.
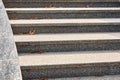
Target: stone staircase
<point>66,38</point>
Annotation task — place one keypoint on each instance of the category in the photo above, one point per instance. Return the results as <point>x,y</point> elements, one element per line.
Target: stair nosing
<point>66,21</point>
<point>67,37</point>
<point>57,10</point>
<point>70,58</point>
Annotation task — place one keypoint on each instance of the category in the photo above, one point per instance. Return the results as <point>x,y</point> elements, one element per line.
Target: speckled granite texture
<point>9,66</point>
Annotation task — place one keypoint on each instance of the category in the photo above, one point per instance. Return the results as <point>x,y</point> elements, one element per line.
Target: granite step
<point>62,13</point>
<point>61,3</point>
<point>65,25</point>
<point>70,64</point>
<point>67,42</point>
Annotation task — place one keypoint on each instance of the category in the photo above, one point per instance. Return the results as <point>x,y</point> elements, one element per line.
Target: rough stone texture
<point>9,66</point>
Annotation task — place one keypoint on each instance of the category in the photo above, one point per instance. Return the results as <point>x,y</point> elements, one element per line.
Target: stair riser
<point>63,15</point>
<point>60,71</point>
<point>34,47</point>
<point>61,4</point>
<point>63,24</point>
<point>65,29</point>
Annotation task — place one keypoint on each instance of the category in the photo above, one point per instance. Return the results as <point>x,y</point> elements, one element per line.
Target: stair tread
<point>67,37</point>
<point>69,58</point>
<point>66,21</point>
<point>52,9</point>
<point>60,10</point>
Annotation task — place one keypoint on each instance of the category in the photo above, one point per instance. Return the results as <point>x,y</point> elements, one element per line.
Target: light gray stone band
<point>9,64</point>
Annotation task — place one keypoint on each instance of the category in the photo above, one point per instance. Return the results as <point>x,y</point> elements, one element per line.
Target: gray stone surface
<point>9,66</point>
